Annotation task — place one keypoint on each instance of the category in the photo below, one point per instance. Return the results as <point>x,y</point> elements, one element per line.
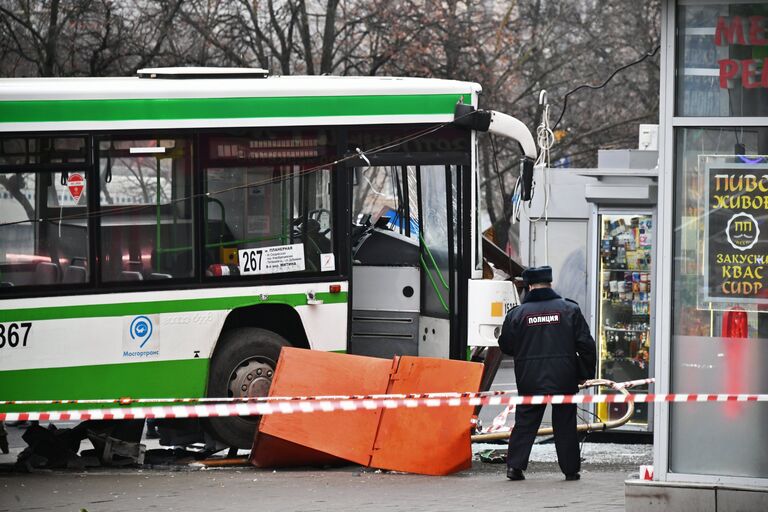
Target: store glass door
<point>624,306</point>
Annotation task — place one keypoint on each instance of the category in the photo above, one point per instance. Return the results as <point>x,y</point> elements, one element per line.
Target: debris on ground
<point>493,456</point>
<point>51,448</point>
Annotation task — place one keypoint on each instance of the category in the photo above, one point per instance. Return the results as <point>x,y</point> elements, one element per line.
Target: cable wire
<point>595,87</point>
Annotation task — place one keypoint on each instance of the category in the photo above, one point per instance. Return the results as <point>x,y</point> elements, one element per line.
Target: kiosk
<point>709,279</point>
<point>598,236</point>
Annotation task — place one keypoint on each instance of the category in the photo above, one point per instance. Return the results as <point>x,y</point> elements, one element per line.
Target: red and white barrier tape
<point>259,399</point>
<point>255,399</point>
<point>500,422</point>
<point>293,406</point>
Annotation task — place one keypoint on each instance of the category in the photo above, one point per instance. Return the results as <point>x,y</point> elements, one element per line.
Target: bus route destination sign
<point>736,233</point>
<point>271,260</point>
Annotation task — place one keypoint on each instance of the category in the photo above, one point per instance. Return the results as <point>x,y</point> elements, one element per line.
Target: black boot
<point>515,474</point>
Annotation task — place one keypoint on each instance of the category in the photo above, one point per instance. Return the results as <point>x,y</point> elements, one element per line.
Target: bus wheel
<point>242,366</point>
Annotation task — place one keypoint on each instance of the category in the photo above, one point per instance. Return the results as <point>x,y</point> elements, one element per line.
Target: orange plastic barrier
<point>432,441</point>
<point>324,437</point>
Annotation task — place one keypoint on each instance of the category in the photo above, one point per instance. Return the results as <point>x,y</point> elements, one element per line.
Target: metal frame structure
<point>665,247</point>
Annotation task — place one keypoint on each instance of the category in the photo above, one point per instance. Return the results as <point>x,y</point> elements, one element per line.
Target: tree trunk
<point>306,38</point>
<point>329,37</point>
<point>51,39</point>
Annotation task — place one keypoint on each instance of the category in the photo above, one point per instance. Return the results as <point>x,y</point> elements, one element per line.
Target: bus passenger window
<point>146,209</point>
<point>43,212</point>
<point>266,190</point>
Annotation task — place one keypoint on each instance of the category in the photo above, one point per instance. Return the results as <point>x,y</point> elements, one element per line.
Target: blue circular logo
<point>141,330</point>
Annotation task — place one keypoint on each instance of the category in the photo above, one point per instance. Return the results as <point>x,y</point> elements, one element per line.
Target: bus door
<point>408,274</point>
<point>444,275</point>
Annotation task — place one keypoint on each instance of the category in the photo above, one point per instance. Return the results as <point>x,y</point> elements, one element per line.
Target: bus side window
<point>43,213</point>
<point>146,209</point>
<point>267,190</point>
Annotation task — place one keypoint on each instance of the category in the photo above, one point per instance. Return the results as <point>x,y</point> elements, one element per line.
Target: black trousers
<point>527,421</point>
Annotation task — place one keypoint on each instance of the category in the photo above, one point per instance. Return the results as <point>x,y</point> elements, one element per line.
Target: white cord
<point>545,139</point>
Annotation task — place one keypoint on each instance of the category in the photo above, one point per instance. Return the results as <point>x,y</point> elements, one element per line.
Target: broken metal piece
<point>114,452</point>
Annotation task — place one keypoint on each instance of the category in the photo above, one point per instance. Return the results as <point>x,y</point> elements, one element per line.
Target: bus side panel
<point>160,349</point>
<point>326,326</point>
<point>153,355</point>
<point>151,379</point>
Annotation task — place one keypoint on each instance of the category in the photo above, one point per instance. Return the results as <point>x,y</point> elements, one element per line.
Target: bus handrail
<point>434,284</point>
<point>434,263</point>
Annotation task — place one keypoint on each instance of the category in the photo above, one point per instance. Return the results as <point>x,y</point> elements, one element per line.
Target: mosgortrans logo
<point>742,231</point>
<point>141,337</point>
<point>141,330</point>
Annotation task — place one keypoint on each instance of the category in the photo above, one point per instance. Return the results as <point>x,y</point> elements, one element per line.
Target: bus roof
<point>20,89</point>
<point>64,104</point>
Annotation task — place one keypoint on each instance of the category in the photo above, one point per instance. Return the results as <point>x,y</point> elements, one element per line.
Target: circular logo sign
<point>742,231</point>
<point>76,184</point>
<point>141,330</point>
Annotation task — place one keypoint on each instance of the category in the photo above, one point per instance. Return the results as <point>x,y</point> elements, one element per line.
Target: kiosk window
<point>719,338</point>
<point>722,59</point>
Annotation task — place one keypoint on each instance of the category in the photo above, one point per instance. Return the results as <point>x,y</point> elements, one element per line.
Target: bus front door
<point>408,272</point>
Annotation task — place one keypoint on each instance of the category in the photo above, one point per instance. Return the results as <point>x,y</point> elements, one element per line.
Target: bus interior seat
<point>130,275</point>
<point>74,274</point>
<point>47,273</point>
<point>79,261</point>
<point>5,284</point>
<point>158,275</point>
<point>134,265</point>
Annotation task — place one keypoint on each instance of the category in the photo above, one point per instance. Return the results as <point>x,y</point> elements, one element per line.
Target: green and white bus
<point>165,235</point>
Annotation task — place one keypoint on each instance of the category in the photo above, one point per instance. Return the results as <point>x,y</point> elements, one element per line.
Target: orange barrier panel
<point>426,440</point>
<point>348,435</point>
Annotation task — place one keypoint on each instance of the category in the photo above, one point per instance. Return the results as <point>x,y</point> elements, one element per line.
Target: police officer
<point>554,352</point>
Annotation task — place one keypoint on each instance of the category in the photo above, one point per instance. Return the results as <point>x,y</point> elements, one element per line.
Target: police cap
<point>535,275</point>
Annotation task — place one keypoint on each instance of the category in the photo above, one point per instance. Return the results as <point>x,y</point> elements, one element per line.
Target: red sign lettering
<point>757,31</point>
<point>753,73</point>
<point>733,31</point>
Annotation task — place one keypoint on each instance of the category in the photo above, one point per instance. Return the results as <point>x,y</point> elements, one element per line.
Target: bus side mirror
<point>526,173</point>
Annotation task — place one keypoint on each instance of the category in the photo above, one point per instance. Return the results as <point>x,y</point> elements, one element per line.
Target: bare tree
<point>86,37</point>
<point>14,184</point>
<point>513,48</point>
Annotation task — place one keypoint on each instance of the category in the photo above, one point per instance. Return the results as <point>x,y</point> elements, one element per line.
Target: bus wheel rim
<point>251,378</point>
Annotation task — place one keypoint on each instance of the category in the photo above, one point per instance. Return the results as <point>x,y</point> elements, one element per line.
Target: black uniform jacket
<point>550,342</point>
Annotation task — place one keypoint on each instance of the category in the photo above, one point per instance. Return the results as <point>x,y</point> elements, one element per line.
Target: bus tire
<point>243,365</point>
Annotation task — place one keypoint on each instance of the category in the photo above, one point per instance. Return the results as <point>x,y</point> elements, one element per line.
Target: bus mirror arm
<point>526,173</point>
<point>499,124</point>
<point>506,126</point>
